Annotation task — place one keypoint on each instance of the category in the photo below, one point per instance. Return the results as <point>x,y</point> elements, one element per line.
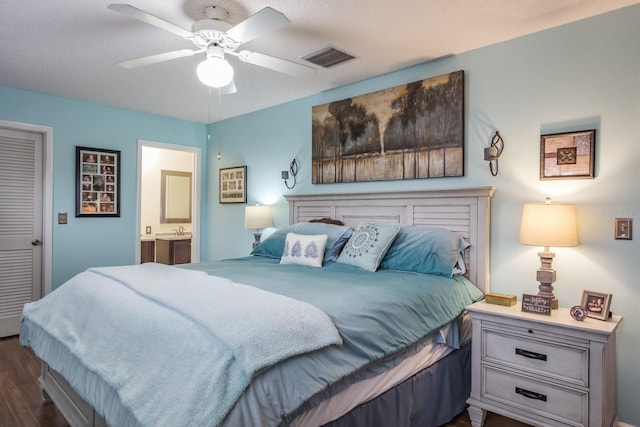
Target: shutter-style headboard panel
<point>465,210</point>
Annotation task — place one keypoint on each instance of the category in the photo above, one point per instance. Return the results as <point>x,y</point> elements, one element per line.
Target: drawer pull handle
<point>531,394</point>
<point>531,354</point>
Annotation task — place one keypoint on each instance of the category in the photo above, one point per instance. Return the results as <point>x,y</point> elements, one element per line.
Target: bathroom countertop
<point>186,236</point>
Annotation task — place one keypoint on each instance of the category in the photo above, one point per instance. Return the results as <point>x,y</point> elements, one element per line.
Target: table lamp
<point>258,216</point>
<point>547,225</point>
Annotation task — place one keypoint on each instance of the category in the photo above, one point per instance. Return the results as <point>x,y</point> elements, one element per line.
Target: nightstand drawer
<point>554,360</point>
<point>561,404</point>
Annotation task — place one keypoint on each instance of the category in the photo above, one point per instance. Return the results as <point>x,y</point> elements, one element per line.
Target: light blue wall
<point>86,242</point>
<point>580,76</point>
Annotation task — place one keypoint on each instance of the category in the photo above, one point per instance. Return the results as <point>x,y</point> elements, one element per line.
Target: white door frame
<point>195,215</point>
<point>47,192</point>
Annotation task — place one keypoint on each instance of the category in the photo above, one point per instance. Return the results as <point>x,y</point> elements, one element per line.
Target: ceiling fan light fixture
<point>214,33</point>
<point>215,71</point>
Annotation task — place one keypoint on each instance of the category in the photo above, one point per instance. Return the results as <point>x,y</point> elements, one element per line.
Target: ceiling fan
<point>216,37</point>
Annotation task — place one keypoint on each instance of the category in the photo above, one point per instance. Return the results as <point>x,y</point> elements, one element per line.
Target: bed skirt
<point>432,397</point>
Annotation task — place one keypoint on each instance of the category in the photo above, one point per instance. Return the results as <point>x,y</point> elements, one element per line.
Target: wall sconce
<point>492,152</point>
<point>546,224</point>
<point>258,216</point>
<point>293,170</point>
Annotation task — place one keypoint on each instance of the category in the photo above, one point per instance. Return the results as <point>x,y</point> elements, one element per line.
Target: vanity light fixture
<point>547,224</point>
<point>492,152</point>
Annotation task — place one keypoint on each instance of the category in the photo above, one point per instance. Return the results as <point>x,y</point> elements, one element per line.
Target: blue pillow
<point>337,236</point>
<point>367,246</point>
<point>425,250</point>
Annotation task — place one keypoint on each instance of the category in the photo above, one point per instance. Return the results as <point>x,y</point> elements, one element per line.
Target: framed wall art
<point>567,155</point>
<point>233,185</point>
<point>623,230</point>
<point>97,182</point>
<point>596,304</point>
<point>410,131</point>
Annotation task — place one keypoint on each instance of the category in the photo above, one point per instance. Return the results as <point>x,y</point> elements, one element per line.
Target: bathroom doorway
<point>156,160</point>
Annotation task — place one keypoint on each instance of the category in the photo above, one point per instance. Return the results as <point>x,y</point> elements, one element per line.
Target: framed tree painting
<point>97,182</point>
<point>411,131</point>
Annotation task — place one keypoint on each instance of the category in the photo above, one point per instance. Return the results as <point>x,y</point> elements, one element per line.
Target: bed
<point>394,365</point>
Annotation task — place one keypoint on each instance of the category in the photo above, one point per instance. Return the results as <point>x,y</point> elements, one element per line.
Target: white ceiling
<point>69,48</point>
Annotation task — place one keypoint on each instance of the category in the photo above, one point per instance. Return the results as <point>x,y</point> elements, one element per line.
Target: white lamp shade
<point>548,225</point>
<point>215,72</point>
<point>258,216</point>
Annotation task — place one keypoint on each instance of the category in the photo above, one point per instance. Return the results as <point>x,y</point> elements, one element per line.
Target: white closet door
<point>21,167</point>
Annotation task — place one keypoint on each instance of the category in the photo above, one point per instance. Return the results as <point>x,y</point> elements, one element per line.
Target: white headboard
<point>465,210</point>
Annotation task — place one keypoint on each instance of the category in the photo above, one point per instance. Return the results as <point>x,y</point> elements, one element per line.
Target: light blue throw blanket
<point>141,333</point>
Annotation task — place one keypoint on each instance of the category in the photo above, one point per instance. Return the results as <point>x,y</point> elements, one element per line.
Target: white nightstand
<point>542,370</point>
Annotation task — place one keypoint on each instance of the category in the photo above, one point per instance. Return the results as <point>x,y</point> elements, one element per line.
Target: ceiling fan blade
<point>160,57</point>
<point>277,64</point>
<point>262,22</point>
<point>229,89</point>
<point>150,19</point>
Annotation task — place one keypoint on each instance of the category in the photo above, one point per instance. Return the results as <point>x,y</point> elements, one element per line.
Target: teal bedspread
<point>377,315</point>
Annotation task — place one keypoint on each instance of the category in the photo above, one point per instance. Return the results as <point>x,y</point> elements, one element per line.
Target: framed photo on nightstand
<point>596,304</point>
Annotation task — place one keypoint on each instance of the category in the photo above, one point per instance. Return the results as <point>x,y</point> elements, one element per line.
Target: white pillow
<point>303,249</point>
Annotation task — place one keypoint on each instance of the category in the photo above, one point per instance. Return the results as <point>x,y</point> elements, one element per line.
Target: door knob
<point>36,242</point>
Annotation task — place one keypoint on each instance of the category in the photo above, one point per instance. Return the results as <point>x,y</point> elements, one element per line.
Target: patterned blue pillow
<point>367,246</point>
<point>304,249</point>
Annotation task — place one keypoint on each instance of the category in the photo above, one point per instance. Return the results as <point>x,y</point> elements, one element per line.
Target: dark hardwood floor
<point>21,403</point>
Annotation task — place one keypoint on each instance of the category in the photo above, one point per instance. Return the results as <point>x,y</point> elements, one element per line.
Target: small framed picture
<point>97,182</point>
<point>233,185</point>
<point>596,304</point>
<point>569,155</point>
<point>623,229</point>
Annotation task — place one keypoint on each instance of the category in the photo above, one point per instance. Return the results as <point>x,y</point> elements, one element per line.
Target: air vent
<point>328,57</point>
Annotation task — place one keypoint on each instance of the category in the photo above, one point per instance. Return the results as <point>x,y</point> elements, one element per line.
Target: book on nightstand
<point>501,299</point>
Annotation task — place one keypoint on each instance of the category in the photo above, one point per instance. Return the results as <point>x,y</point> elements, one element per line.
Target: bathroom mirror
<point>175,197</point>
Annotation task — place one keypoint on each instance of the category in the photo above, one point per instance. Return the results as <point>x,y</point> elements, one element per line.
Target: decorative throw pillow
<point>367,246</point>
<point>304,249</point>
<point>337,236</point>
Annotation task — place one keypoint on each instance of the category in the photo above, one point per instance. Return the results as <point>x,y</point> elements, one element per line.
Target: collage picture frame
<point>97,182</point>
